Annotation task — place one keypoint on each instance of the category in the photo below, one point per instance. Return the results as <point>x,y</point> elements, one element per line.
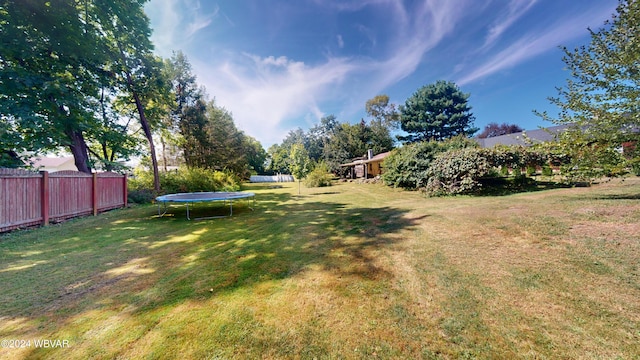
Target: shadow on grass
<point>509,186</point>
<point>133,259</point>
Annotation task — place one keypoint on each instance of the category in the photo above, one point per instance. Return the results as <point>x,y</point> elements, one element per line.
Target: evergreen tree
<point>436,112</point>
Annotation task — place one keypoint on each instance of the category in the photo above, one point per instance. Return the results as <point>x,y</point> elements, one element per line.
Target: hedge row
<point>457,166</point>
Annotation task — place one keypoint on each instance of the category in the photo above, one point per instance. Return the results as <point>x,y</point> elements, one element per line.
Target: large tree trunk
<point>143,122</point>
<point>147,132</point>
<point>79,150</point>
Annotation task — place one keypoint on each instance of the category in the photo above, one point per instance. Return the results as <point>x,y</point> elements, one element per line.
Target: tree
<point>278,159</point>
<point>124,36</point>
<point>493,129</point>
<point>255,154</point>
<point>10,141</point>
<point>279,153</point>
<point>601,99</point>
<point>62,65</point>
<point>300,163</point>
<point>380,109</point>
<point>226,149</point>
<point>211,139</point>
<point>437,111</point>
<point>50,75</point>
<point>319,135</point>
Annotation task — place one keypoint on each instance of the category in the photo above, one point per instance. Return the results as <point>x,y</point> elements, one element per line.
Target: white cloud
<point>200,21</point>
<point>179,21</point>
<point>340,41</point>
<point>267,92</point>
<point>515,10</point>
<point>263,92</point>
<point>536,43</point>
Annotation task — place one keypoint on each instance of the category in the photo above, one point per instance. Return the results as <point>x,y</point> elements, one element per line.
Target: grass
<point>349,271</point>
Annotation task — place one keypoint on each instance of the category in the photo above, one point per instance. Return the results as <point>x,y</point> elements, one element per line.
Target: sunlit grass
<point>350,271</point>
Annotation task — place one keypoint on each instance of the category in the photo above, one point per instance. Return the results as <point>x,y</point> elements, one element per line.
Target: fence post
<point>44,194</point>
<point>124,189</point>
<point>95,194</point>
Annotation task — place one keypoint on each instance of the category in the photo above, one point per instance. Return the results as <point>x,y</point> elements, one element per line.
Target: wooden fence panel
<point>70,194</point>
<point>29,198</point>
<point>111,191</point>
<point>20,199</point>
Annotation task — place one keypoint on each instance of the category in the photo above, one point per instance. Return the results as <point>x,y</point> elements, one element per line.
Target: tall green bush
<point>460,171</point>
<point>320,176</point>
<point>407,167</point>
<point>457,172</point>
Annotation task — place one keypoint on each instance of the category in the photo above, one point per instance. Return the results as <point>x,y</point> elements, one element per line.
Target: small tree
<point>436,112</point>
<point>601,99</point>
<point>493,129</point>
<point>300,163</point>
<point>380,109</point>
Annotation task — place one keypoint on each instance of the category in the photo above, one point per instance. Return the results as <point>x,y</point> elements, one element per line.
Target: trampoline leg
<point>188,218</point>
<point>231,207</point>
<point>165,209</point>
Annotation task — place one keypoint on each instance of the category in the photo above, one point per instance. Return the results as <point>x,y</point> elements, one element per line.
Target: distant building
<point>52,164</point>
<point>367,166</point>
<point>524,138</point>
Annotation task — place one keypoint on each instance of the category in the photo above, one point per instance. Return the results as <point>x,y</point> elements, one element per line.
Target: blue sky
<point>281,64</point>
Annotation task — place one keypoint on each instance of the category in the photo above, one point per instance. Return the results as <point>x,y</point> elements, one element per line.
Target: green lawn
<point>348,271</point>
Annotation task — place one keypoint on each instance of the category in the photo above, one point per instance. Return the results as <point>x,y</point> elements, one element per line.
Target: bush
<point>407,166</point>
<point>457,172</point>
<point>319,176</point>
<point>142,196</point>
<point>183,180</point>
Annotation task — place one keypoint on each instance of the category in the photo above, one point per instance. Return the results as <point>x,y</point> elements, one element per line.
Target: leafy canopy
<point>492,129</point>
<point>602,97</point>
<point>436,112</point>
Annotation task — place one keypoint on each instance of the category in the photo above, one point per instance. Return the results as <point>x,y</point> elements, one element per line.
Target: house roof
<point>376,158</point>
<point>524,138</point>
<point>50,162</point>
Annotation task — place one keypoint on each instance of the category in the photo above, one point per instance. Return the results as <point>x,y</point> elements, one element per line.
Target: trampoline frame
<point>194,197</point>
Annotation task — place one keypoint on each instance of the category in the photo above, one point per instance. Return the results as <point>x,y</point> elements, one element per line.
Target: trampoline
<point>190,198</point>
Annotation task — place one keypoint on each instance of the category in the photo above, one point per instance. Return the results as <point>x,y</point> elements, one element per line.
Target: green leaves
<point>602,97</point>
<point>408,166</point>
<point>61,72</point>
<point>300,162</point>
<point>437,111</point>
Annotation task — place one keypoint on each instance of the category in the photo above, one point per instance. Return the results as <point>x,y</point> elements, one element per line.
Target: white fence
<point>274,178</point>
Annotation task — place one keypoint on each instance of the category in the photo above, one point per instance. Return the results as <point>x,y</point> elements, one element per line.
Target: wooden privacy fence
<point>36,198</point>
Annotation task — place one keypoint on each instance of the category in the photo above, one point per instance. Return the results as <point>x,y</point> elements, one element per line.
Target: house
<point>524,138</point>
<point>367,166</point>
<point>52,164</point>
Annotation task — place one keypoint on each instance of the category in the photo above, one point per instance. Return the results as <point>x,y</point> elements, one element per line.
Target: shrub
<point>142,196</point>
<point>182,180</point>
<point>319,176</point>
<point>457,172</point>
<point>407,166</point>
